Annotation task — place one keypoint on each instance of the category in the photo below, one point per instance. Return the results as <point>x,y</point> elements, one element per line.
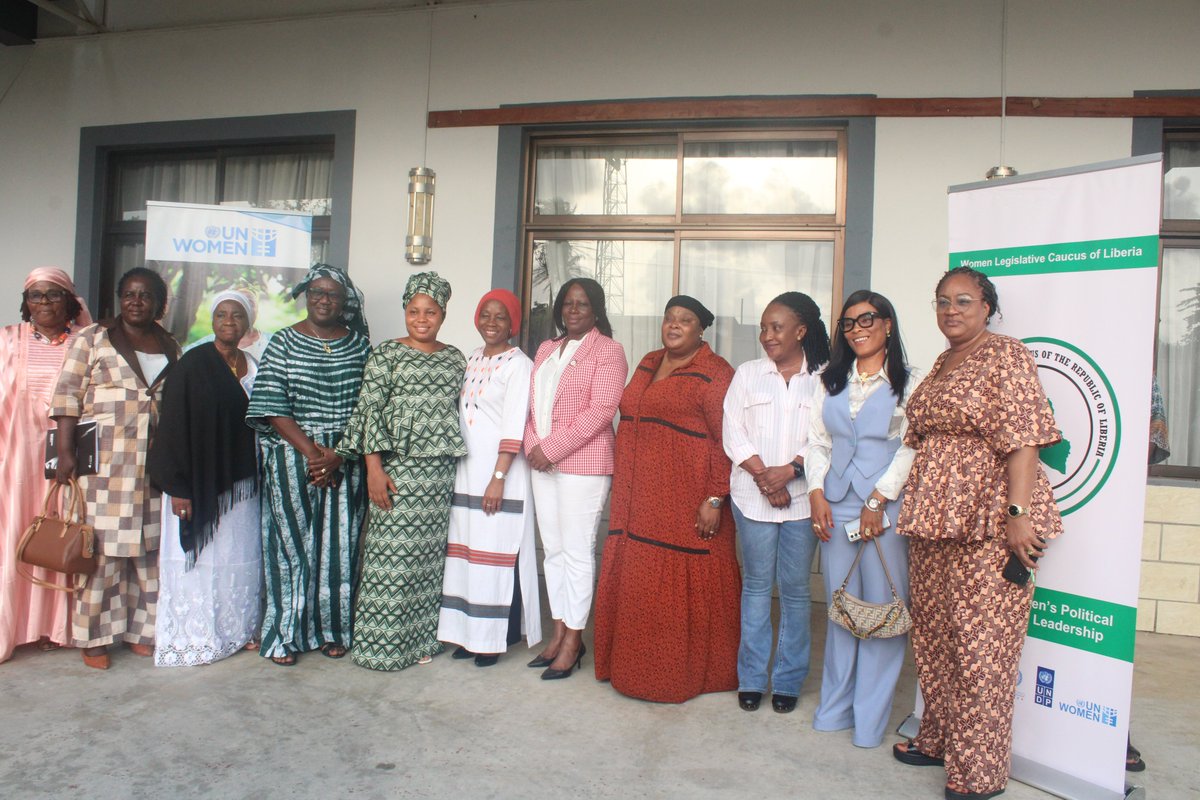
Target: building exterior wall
<point>380,63</point>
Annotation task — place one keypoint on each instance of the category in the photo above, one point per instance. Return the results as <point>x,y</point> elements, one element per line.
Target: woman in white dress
<point>204,457</point>
<point>490,589</point>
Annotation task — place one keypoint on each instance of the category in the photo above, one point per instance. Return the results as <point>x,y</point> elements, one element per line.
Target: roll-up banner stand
<point>1074,255</point>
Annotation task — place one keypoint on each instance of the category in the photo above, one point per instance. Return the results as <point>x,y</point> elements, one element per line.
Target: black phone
<point>1016,572</point>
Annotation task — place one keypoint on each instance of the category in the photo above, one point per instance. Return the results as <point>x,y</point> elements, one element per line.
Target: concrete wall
<point>524,52</point>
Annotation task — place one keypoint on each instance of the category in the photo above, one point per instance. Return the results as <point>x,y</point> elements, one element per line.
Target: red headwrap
<point>510,303</point>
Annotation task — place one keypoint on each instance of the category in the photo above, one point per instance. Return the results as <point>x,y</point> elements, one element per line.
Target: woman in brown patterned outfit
<point>976,493</point>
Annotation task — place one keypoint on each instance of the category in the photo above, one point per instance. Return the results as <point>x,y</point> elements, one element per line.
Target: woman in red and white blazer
<point>577,382</point>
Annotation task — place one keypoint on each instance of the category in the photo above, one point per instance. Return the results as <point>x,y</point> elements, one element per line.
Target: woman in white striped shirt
<point>765,434</point>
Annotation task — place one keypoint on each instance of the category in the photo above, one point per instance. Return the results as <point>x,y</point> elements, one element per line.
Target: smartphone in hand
<point>852,527</point>
<point>1016,572</point>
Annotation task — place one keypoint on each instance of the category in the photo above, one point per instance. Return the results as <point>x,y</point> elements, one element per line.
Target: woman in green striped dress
<point>313,499</point>
<point>406,430</point>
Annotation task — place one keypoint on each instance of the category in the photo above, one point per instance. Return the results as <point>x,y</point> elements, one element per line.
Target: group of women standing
<point>810,443</point>
<point>456,455</point>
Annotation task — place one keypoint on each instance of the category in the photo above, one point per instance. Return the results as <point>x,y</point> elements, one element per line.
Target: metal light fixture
<point>1002,171</point>
<point>418,245</point>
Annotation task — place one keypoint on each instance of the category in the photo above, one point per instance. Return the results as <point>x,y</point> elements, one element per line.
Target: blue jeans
<point>775,553</point>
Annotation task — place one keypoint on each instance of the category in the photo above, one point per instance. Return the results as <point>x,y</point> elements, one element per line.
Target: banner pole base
<point>1134,792</point>
<point>909,727</point>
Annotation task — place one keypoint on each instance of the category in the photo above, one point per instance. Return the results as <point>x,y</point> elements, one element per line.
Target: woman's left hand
<point>870,523</point>
<point>1026,544</point>
<point>772,479</point>
<point>537,459</point>
<point>493,496</point>
<point>181,507</point>
<point>708,520</point>
<point>323,471</point>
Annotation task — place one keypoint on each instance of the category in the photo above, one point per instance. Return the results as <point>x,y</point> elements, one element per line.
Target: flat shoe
<point>748,701</point>
<point>287,660</point>
<point>954,794</point>
<point>1133,760</point>
<point>462,654</point>
<point>783,704</point>
<point>143,650</point>
<point>96,662</point>
<point>915,758</point>
<point>486,661</point>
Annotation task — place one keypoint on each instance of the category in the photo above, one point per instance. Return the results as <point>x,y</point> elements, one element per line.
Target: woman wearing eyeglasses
<point>312,500</point>
<point>856,468</point>
<point>31,356</point>
<point>113,374</point>
<point>975,497</point>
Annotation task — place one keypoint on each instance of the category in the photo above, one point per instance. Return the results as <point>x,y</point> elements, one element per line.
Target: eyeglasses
<point>862,320</point>
<point>962,303</point>
<point>334,296</point>
<point>52,296</point>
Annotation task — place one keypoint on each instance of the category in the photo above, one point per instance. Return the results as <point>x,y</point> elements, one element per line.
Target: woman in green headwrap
<point>312,499</point>
<point>405,428</point>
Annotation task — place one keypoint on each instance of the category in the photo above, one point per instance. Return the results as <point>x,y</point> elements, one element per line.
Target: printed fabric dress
<point>491,562</point>
<point>968,622</point>
<point>29,367</point>
<point>310,535</point>
<point>408,413</point>
<point>668,606</point>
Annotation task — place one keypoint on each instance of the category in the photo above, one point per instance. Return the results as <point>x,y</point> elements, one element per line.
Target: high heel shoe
<point>542,661</point>
<point>552,674</point>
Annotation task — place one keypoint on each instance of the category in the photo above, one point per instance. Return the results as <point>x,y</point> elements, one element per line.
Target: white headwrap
<point>238,297</point>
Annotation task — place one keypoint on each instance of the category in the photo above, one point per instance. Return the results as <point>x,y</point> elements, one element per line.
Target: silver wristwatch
<point>873,503</point>
<point>498,475</point>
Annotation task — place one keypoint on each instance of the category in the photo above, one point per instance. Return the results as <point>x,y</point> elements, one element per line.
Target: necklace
<point>324,342</point>
<point>53,340</point>
<point>237,360</point>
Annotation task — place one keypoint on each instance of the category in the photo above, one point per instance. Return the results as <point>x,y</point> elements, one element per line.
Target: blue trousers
<point>775,553</point>
<point>859,677</point>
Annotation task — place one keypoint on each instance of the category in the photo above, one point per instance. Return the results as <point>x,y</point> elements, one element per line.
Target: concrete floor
<point>326,729</point>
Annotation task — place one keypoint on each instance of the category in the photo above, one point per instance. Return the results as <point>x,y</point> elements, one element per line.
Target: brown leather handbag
<point>59,542</point>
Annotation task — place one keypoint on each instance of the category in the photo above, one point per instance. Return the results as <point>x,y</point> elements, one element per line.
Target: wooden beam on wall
<point>792,108</point>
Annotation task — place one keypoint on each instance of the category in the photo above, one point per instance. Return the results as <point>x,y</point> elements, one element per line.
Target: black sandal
<point>286,660</point>
<point>333,650</point>
<point>1133,760</point>
<point>914,757</point>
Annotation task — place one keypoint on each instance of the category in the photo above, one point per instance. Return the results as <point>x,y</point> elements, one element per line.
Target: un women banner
<point>1074,256</point>
<point>227,235</point>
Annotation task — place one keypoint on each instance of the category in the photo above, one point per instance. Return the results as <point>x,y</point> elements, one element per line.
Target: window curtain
<point>1179,353</point>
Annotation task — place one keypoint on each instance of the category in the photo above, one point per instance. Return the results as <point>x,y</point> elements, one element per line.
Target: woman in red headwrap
<point>31,355</point>
<point>490,588</point>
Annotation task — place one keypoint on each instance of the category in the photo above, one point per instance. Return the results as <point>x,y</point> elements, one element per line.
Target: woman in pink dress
<point>31,355</point>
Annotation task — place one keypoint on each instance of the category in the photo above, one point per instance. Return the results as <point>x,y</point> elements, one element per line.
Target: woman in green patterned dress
<point>405,427</point>
<point>312,500</point>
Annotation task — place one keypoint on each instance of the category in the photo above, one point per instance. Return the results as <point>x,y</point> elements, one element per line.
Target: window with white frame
<point>733,218</point>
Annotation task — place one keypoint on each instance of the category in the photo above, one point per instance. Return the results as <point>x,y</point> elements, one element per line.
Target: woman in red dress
<point>669,601</point>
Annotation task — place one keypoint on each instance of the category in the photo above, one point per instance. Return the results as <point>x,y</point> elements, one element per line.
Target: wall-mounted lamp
<point>418,244</point>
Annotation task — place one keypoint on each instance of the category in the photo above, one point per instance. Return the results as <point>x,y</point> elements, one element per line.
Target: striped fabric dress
<point>310,535</point>
<point>408,413</point>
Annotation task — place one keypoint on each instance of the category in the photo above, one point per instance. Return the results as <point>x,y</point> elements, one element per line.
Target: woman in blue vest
<point>857,464</point>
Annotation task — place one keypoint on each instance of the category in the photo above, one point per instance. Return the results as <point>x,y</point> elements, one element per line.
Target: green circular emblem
<point>1088,417</point>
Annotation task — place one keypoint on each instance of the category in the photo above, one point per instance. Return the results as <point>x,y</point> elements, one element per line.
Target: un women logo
<point>1087,414</point>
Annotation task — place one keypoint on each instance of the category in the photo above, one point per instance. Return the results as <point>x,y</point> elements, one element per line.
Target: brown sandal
<point>287,660</point>
<point>332,650</point>
<point>143,650</point>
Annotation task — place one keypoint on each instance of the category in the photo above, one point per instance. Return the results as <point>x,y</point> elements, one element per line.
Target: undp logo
<point>1087,415</point>
<point>1044,691</point>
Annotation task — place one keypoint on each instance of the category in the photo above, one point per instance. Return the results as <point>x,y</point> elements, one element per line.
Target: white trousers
<point>568,511</point>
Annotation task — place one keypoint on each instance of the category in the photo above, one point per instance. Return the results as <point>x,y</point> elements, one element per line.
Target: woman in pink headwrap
<point>31,355</point>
